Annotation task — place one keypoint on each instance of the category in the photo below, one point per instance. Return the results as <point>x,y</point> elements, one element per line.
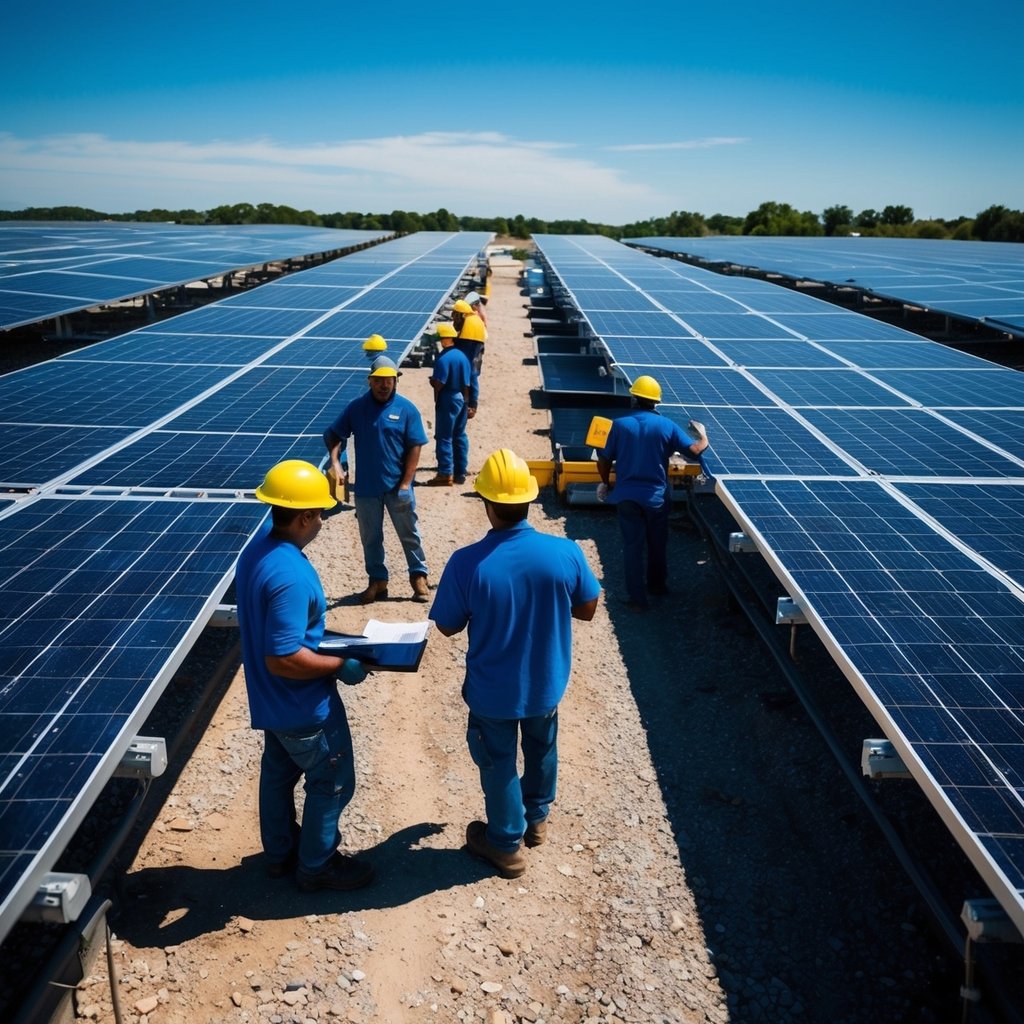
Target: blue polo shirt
<point>515,589</point>
<point>452,369</point>
<point>281,607</point>
<point>640,445</point>
<point>384,432</point>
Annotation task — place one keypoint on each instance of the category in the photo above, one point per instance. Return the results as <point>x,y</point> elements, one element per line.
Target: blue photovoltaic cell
<point>31,455</point>
<point>275,400</point>
<point>714,326</point>
<point>277,295</point>
<point>851,326</point>
<point>695,302</point>
<point>920,355</point>
<point>338,353</point>
<point>570,424</point>
<point>188,349</point>
<point>653,325</point>
<point>761,442</point>
<point>90,393</point>
<point>837,387</point>
<point>661,351</point>
<point>702,386</point>
<point>909,442</point>
<point>97,597</point>
<point>985,517</point>
<point>792,354</point>
<point>957,388</point>
<point>183,460</point>
<point>405,300</point>
<point>239,321</point>
<point>620,299</point>
<point>392,326</point>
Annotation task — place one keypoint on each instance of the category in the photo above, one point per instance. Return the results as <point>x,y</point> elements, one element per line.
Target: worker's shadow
<point>165,906</point>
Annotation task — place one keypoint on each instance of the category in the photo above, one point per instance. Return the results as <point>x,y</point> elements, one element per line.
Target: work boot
<point>459,478</point>
<point>536,833</point>
<point>508,864</point>
<point>377,590</point>
<point>341,872</point>
<point>420,591</point>
<point>441,480</point>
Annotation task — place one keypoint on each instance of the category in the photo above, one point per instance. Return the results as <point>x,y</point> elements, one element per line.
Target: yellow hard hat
<point>462,306</point>
<point>382,366</point>
<point>447,331</point>
<point>374,343</point>
<point>473,329</point>
<point>646,387</point>
<point>296,484</point>
<point>506,479</point>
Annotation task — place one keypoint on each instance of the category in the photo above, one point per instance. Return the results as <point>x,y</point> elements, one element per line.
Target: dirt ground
<point>704,862</point>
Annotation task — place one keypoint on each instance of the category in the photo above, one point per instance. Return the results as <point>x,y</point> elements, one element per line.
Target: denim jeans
<point>323,754</point>
<point>450,434</point>
<point>644,528</point>
<point>511,802</point>
<point>370,516</point>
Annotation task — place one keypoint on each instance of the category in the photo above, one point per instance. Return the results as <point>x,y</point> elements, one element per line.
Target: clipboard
<point>377,650</point>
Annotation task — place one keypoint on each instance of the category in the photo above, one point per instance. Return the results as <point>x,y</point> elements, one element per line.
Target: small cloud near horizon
<point>648,147</point>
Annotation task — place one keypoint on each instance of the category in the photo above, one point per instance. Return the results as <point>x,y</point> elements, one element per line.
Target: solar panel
<point>882,476</point>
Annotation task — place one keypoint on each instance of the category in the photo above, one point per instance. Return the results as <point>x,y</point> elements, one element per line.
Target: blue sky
<point>556,109</point>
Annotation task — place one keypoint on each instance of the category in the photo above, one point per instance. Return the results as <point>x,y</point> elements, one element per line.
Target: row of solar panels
<point>886,491</point>
<point>141,454</point>
<point>982,281</point>
<point>48,270</point>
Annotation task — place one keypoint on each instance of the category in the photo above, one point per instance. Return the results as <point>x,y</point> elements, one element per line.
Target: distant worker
<point>639,446</point>
<point>517,591</point>
<point>477,302</point>
<point>388,434</point>
<point>374,346</point>
<point>470,342</point>
<point>292,689</point>
<point>450,381</point>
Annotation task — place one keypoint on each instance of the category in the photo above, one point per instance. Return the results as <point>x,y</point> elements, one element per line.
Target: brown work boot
<point>508,865</point>
<point>536,833</point>
<point>377,590</point>
<point>420,591</point>
<point>441,480</point>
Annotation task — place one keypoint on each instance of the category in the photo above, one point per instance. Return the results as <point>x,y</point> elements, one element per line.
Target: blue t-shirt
<point>281,607</point>
<point>452,369</point>
<point>515,589</point>
<point>384,432</point>
<point>640,445</point>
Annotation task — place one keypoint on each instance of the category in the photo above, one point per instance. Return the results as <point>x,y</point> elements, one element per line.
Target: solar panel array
<point>136,459</point>
<point>47,270</point>
<point>882,476</point>
<point>981,281</point>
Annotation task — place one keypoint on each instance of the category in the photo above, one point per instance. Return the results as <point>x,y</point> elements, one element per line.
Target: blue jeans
<point>511,802</point>
<point>450,434</point>
<point>644,528</point>
<point>323,753</point>
<point>370,516</point>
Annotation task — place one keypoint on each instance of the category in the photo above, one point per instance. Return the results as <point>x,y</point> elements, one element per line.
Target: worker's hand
<point>470,412</point>
<point>602,492</point>
<point>405,494</point>
<point>352,672</point>
<point>696,430</point>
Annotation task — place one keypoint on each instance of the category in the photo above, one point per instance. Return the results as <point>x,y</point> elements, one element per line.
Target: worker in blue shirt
<point>450,381</point>
<point>471,341</point>
<point>292,689</point>
<point>639,446</point>
<point>517,591</point>
<point>388,434</point>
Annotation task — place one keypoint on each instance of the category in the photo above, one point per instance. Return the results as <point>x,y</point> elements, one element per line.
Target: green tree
<point>781,219</point>
<point>930,229</point>
<point>835,217</point>
<point>867,219</point>
<point>723,224</point>
<point>897,215</point>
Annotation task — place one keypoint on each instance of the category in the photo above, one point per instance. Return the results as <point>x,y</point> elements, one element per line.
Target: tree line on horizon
<point>994,224</point>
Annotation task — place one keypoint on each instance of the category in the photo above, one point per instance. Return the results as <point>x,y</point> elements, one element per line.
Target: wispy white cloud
<point>484,173</point>
<point>649,147</point>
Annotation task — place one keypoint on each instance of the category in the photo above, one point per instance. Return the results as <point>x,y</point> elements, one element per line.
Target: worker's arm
<point>303,664</point>
<point>412,460</point>
<point>604,470</point>
<point>584,612</point>
<point>336,453</point>
<point>448,630</point>
<point>695,448</point>
<point>438,387</point>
